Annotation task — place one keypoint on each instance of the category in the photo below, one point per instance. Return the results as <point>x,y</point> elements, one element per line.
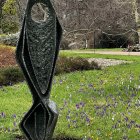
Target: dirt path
<point>119,53</point>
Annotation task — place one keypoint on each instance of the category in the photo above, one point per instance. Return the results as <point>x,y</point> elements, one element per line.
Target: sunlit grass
<point>6,46</point>
<point>101,104</point>
<point>95,49</point>
<point>92,55</point>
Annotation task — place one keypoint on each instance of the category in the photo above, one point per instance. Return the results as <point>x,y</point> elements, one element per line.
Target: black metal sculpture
<point>36,54</point>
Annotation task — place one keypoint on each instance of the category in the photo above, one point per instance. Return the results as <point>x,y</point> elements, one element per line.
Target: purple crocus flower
<point>77,106</point>
<point>15,124</point>
<point>14,116</point>
<point>3,115</point>
<point>87,120</point>
<point>82,104</point>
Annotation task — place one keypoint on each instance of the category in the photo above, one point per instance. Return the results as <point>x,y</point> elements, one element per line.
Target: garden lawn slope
<point>93,105</point>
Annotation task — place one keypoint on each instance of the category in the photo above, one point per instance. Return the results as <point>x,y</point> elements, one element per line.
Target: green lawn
<point>93,105</point>
<point>92,55</point>
<point>98,49</point>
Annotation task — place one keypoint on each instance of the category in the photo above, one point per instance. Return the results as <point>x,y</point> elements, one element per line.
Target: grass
<point>92,55</point>
<point>106,96</point>
<point>98,49</point>
<point>3,35</point>
<point>95,105</point>
<point>6,46</point>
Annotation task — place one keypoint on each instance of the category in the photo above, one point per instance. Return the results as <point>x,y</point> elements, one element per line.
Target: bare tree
<point>87,17</point>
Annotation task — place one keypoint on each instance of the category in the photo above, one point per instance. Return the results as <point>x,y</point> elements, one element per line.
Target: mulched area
<point>7,57</point>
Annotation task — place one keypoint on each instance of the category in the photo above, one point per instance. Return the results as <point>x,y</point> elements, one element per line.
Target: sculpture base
<point>39,123</point>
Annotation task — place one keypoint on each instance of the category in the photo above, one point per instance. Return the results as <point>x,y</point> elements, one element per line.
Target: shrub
<point>10,72</point>
<point>64,44</point>
<point>117,41</point>
<point>9,17</point>
<point>66,65</point>
<point>10,75</point>
<point>9,27</point>
<point>10,39</point>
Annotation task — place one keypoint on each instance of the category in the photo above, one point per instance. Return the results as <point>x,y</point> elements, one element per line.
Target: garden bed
<point>7,56</point>
<point>11,73</point>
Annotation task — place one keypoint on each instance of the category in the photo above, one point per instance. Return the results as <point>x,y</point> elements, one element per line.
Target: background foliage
<point>10,21</point>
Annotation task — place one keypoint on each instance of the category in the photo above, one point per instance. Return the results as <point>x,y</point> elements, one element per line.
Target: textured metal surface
<point>36,54</point>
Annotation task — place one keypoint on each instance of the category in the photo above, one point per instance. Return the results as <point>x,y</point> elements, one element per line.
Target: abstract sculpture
<point>36,53</point>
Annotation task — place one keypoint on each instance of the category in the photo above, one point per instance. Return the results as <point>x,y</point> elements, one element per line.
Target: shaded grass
<point>4,136</point>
